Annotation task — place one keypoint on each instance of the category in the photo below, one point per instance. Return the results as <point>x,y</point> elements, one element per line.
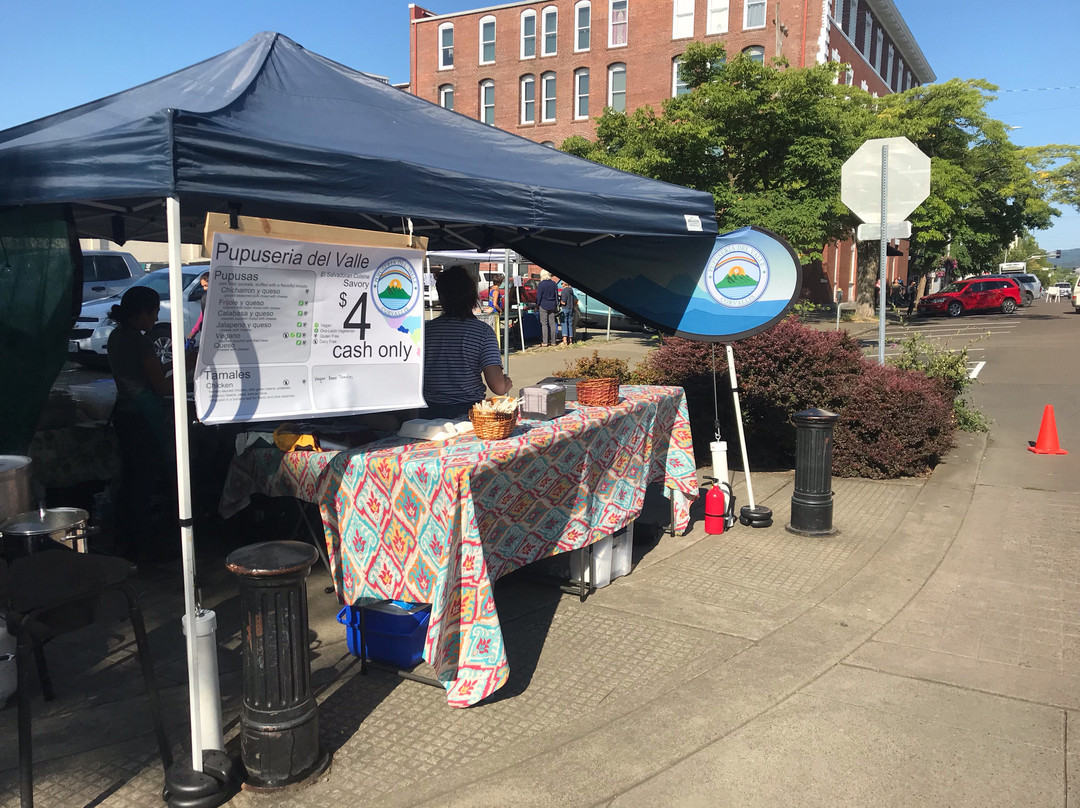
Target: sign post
<point>883,182</point>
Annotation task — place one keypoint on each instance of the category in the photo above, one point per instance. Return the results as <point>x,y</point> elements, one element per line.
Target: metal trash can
<point>279,721</point>
<point>812,501</point>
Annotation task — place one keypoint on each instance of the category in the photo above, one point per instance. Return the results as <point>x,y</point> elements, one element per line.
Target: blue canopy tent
<point>272,130</point>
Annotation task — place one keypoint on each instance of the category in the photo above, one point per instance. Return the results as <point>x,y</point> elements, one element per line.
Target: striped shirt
<point>455,355</point>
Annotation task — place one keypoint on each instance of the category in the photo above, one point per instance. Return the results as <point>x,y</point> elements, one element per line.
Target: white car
<point>89,339</point>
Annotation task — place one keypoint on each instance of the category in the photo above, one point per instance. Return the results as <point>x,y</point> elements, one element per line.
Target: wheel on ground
<point>955,309</point>
<point>161,336</point>
<point>1029,297</point>
<point>1008,305</point>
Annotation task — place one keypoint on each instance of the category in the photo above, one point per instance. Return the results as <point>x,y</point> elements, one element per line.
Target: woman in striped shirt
<point>461,353</point>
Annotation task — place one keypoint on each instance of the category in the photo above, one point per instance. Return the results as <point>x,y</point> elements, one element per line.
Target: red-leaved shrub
<point>791,367</point>
<point>894,423</point>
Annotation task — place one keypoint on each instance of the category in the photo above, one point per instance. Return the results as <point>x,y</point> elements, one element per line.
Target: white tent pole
<point>738,422</point>
<point>183,472</point>
<point>506,312</point>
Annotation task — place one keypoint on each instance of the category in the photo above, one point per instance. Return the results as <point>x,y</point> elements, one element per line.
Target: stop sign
<point>908,175</point>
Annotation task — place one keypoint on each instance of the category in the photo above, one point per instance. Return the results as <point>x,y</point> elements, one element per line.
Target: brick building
<point>547,70</point>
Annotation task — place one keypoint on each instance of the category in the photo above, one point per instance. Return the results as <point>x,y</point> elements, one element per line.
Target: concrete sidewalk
<point>925,654</point>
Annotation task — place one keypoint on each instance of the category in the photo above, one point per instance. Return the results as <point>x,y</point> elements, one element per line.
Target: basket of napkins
<point>494,418</point>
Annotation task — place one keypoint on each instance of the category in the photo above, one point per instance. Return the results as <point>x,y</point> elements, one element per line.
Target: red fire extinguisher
<point>719,509</point>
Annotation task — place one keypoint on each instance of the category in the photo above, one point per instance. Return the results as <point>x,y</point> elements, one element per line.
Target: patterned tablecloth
<point>438,523</point>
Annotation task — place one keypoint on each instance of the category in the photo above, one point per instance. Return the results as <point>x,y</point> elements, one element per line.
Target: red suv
<point>973,294</point>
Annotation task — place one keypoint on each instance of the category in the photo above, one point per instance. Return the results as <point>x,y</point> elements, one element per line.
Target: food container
<point>14,485</point>
<point>543,402</point>
<point>36,531</point>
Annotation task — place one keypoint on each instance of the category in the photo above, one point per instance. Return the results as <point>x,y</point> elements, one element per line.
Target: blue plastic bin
<point>394,631</point>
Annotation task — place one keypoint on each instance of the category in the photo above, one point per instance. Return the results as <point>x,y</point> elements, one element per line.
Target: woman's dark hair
<point>135,301</point>
<point>458,294</point>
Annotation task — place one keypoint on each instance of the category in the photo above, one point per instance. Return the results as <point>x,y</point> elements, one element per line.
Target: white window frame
<point>624,25</point>
<point>716,17</point>
<point>900,75</point>
<point>548,96</point>
<point>747,5</point>
<point>582,5</point>
<point>676,63</point>
<point>682,19</point>
<point>446,26</point>
<point>838,12</point>
<point>487,84</point>
<point>579,74</point>
<point>528,81</point>
<point>527,15</point>
<point>487,20</point>
<point>548,14</point>
<point>879,46</point>
<point>761,48</point>
<point>613,69</point>
<point>444,90</point>
<point>889,66</point>
<point>868,29</point>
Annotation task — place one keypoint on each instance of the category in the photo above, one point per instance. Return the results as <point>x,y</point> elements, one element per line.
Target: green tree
<point>767,143</point>
<point>984,190</point>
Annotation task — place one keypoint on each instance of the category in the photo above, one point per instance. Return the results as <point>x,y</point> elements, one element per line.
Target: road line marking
<point>975,370</point>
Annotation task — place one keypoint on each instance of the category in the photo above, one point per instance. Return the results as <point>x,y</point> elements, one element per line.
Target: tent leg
<point>751,514</point>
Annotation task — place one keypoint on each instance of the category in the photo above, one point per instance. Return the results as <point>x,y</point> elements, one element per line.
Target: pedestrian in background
<point>547,304</point>
<point>567,303</point>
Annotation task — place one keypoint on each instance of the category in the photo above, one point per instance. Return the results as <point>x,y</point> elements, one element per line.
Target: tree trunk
<point>868,274</point>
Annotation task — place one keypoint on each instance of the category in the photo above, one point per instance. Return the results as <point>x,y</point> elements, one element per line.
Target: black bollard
<point>279,722</point>
<point>812,502</point>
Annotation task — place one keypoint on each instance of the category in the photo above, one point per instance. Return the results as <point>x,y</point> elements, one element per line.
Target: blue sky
<point>61,53</point>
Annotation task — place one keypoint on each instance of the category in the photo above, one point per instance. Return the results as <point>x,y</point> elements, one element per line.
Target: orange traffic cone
<point>1048,439</point>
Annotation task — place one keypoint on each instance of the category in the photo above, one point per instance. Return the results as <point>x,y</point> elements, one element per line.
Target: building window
<point>446,96</point>
<point>849,77</point>
<point>528,34</point>
<point>716,20</point>
<point>446,45</point>
<point>582,25</point>
<point>865,87</point>
<point>754,14</point>
<point>838,12</point>
<point>682,22</point>
<point>618,16</point>
<point>616,82</point>
<point>888,67</point>
<point>900,75</point>
<point>547,96</point>
<point>756,53</point>
<point>487,101</point>
<point>879,42</point>
<point>528,99</point>
<point>551,27</point>
<point>678,83</point>
<point>581,93</point>
<point>853,10</point>
<point>487,40</point>
<point>868,26</point>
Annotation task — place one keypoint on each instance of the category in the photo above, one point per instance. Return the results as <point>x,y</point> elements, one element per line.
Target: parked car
<point>973,294</point>
<point>594,314</point>
<point>1064,290</point>
<point>88,341</point>
<point>107,273</point>
<point>1030,285</point>
<point>1076,297</point>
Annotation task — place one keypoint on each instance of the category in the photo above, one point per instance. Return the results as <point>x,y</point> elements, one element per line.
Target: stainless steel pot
<point>34,531</point>
<point>14,485</point>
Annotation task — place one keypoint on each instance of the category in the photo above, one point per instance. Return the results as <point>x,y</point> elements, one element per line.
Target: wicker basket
<point>598,392</point>
<point>492,425</point>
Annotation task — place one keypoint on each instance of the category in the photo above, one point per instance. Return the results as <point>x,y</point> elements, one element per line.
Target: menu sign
<point>296,328</point>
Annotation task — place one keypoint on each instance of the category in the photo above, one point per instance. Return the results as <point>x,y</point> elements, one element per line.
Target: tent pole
<point>738,422</point>
<point>183,474</point>
<point>506,312</point>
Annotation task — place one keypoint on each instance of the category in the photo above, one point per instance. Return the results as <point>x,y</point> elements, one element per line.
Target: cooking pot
<point>14,485</point>
<point>34,531</point>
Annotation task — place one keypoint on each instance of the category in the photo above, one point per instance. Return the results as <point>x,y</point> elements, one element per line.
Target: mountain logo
<point>395,285</point>
<point>736,275</point>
